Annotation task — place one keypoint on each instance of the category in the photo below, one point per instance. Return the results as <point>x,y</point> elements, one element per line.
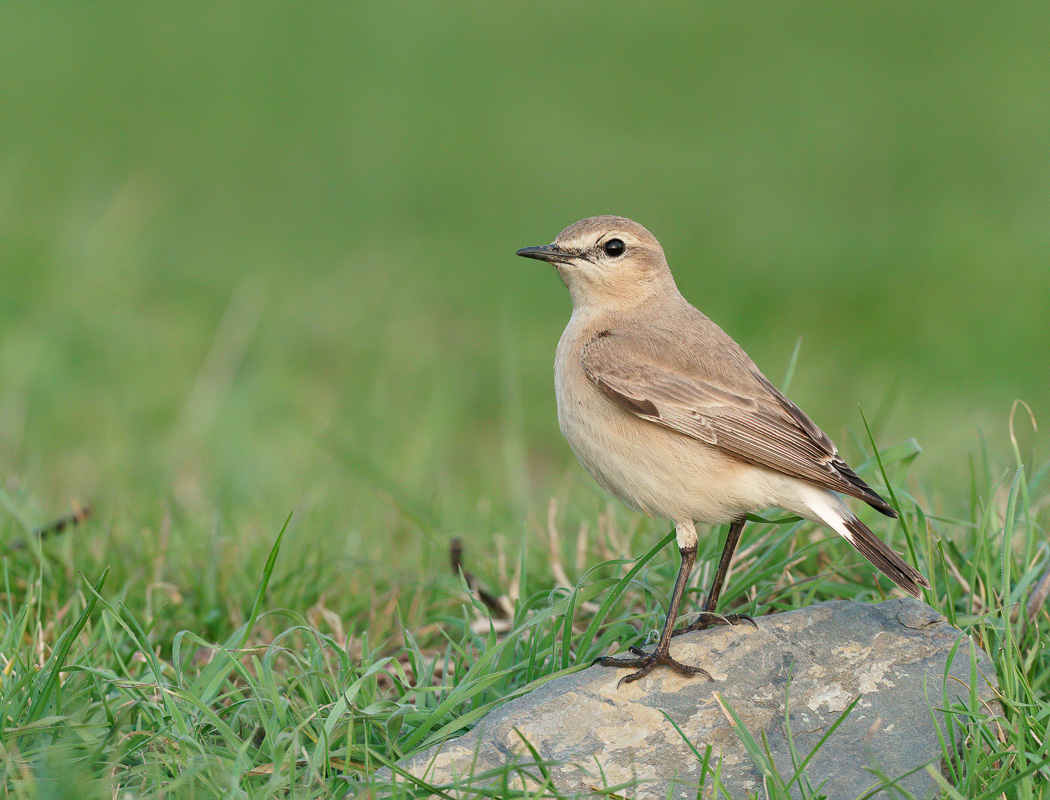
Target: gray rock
<point>594,734</point>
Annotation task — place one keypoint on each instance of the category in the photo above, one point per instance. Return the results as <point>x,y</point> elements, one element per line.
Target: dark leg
<point>708,616</point>
<point>647,662</point>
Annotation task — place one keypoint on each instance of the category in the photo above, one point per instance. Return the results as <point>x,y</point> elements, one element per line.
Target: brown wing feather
<point>755,423</point>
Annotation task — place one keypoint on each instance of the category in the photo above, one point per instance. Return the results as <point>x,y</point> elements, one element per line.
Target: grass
<point>259,263</point>
<point>299,703</point>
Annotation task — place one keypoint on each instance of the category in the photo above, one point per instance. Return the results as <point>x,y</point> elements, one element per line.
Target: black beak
<point>547,252</point>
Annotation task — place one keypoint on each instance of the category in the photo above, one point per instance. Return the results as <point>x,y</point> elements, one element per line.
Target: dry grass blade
<point>1036,600</point>
<point>493,603</point>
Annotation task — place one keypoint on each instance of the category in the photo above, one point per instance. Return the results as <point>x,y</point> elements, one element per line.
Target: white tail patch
<point>825,508</point>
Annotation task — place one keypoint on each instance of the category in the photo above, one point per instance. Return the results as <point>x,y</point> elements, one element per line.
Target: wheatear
<point>669,414</point>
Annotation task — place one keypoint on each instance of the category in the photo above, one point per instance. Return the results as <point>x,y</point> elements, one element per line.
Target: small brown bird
<point>669,414</point>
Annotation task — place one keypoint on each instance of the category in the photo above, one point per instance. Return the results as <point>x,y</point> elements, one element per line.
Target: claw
<point>744,618</point>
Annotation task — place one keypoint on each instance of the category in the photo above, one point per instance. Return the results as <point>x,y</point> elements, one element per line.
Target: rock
<point>891,655</point>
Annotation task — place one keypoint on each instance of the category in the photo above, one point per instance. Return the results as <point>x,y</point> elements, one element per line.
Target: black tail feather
<point>889,563</point>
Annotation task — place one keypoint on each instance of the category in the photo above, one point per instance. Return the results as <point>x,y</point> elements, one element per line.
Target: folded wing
<point>751,419</point>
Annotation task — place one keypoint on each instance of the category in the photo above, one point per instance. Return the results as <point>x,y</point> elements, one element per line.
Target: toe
<point>685,669</point>
<point>627,662</point>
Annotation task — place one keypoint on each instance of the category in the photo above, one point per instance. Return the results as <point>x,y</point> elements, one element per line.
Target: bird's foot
<point>647,662</point>
<point>709,619</point>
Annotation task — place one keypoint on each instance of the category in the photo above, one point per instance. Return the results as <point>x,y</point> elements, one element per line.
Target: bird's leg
<point>647,662</point>
<point>708,616</point>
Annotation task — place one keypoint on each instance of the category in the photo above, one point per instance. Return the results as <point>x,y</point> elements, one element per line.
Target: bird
<point>670,415</point>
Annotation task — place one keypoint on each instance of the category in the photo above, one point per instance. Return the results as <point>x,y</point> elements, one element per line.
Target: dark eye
<point>614,248</point>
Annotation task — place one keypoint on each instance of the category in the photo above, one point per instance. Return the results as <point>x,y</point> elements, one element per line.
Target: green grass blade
<point>617,591</point>
<point>46,683</point>
<point>207,685</point>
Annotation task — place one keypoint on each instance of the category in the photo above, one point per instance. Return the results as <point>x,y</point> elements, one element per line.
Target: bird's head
<point>607,262</point>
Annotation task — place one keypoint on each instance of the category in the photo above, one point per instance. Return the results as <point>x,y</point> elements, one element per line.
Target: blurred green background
<point>259,258</point>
